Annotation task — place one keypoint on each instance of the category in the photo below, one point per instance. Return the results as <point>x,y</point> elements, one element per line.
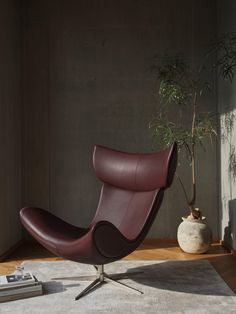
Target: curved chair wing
<point>135,172</point>
<point>132,192</point>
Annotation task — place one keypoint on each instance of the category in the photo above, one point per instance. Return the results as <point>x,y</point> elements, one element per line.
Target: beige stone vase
<point>194,235</point>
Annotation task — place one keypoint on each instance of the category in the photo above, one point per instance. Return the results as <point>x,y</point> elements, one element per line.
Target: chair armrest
<point>110,242</point>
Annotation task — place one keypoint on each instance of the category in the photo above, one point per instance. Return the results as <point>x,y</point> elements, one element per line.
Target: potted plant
<point>180,90</point>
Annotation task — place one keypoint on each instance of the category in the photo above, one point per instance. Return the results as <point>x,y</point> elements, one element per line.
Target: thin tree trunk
<point>193,165</point>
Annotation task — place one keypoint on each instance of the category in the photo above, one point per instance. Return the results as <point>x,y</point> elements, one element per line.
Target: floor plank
<point>222,260</point>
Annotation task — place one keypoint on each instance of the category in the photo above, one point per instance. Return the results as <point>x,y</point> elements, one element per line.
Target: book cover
<point>12,280</point>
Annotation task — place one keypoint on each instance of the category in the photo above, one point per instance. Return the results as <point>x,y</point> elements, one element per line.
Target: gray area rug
<point>168,286</point>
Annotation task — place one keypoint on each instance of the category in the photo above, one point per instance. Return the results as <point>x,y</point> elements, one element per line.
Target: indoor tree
<point>180,89</point>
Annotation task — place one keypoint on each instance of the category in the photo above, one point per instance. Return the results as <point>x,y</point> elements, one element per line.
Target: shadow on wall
<point>230,230</point>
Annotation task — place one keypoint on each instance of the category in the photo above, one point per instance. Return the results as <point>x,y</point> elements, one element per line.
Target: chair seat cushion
<point>49,230</point>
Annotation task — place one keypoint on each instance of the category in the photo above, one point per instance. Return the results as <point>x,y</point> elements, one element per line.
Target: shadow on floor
<point>193,277</point>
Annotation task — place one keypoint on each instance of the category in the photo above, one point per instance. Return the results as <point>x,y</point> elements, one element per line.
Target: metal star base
<point>100,278</point>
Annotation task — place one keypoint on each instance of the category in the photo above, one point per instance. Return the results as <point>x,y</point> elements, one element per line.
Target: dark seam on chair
<point>127,207</point>
<point>135,175</point>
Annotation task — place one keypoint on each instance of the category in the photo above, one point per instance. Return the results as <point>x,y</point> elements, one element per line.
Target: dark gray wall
<point>10,117</point>
<point>227,109</point>
<point>86,81</point>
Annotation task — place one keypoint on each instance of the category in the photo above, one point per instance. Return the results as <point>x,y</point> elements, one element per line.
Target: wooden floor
<point>223,261</point>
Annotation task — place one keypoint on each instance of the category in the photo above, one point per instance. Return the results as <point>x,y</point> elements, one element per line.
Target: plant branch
<point>183,188</point>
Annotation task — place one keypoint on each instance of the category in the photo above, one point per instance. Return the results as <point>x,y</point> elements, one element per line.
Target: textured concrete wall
<point>227,109</point>
<point>86,81</point>
<point>10,117</point>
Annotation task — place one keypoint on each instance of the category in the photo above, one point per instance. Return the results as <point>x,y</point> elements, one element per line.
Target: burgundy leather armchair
<point>132,192</point>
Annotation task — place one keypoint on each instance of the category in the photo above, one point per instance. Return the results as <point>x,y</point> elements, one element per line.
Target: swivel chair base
<point>100,278</point>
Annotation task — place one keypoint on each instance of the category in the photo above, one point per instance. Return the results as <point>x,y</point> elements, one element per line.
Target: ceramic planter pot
<point>194,236</point>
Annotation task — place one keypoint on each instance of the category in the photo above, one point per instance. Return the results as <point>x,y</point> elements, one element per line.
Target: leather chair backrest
<point>135,172</point>
<point>132,184</point>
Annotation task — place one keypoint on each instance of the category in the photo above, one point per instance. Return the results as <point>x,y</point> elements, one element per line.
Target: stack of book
<point>13,287</point>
